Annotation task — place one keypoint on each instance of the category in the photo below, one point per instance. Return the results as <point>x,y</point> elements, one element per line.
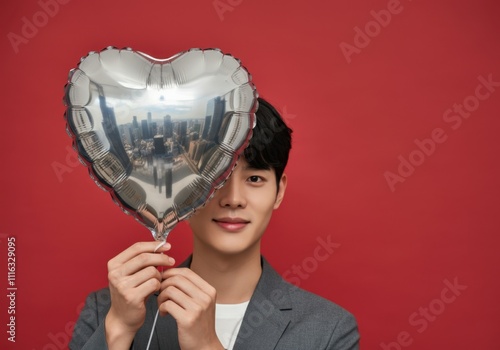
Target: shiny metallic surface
<point>161,135</point>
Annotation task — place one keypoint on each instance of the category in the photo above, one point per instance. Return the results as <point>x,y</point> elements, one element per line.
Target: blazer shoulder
<point>306,302</point>
<point>101,298</point>
<point>88,332</point>
<point>314,321</point>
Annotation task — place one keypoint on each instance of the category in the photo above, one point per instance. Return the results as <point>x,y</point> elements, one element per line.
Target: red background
<point>352,121</point>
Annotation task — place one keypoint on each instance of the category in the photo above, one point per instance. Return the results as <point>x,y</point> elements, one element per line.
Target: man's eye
<point>255,178</point>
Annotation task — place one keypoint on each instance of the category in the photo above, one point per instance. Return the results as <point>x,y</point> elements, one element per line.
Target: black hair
<point>271,141</point>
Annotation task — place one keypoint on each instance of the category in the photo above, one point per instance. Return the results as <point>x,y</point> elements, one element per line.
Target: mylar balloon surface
<point>161,135</point>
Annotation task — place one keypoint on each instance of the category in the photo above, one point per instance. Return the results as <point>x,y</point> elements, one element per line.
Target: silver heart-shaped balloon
<point>161,135</point>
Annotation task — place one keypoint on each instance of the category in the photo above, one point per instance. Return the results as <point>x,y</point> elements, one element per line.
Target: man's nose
<point>231,195</point>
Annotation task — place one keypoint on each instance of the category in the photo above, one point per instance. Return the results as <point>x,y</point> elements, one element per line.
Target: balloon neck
<point>160,237</point>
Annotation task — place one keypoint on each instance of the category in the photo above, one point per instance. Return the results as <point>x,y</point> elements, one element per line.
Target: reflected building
<point>197,149</point>
<point>165,150</point>
<point>135,123</point>
<point>159,146</point>
<point>168,178</point>
<point>132,137</point>
<point>183,137</point>
<point>196,127</point>
<point>150,125</point>
<point>216,108</point>
<point>126,133</point>
<point>203,149</point>
<point>206,127</point>
<point>112,132</point>
<point>145,130</point>
<point>167,127</point>
<point>153,129</point>
<point>194,136</point>
<point>193,146</point>
<point>135,132</point>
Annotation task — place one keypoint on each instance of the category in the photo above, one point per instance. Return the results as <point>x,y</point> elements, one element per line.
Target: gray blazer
<point>279,316</point>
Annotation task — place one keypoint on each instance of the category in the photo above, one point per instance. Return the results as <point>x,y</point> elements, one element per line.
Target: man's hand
<point>191,301</point>
<point>132,276</point>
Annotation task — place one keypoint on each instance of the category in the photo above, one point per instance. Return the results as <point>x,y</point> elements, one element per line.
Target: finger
<point>170,307</point>
<point>192,292</point>
<point>181,294</point>
<point>144,260</point>
<point>191,276</point>
<point>174,295</point>
<point>136,296</point>
<point>138,248</point>
<point>147,288</point>
<point>187,287</point>
<point>137,278</point>
<point>137,264</point>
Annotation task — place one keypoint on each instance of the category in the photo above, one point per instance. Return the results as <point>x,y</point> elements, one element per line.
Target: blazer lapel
<point>165,330</point>
<point>267,315</point>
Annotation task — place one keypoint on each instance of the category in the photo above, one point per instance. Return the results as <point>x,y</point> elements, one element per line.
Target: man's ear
<point>281,191</point>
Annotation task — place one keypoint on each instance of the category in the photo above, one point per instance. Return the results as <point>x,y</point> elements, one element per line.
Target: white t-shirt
<point>228,318</point>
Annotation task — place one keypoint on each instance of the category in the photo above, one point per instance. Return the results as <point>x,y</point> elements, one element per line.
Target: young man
<point>226,295</point>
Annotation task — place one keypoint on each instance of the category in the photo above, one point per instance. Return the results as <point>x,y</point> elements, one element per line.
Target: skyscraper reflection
<point>161,150</point>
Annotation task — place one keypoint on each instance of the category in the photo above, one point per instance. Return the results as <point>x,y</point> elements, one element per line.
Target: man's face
<point>234,220</point>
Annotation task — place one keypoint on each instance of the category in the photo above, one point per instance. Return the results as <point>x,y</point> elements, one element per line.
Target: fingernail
<point>171,260</point>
